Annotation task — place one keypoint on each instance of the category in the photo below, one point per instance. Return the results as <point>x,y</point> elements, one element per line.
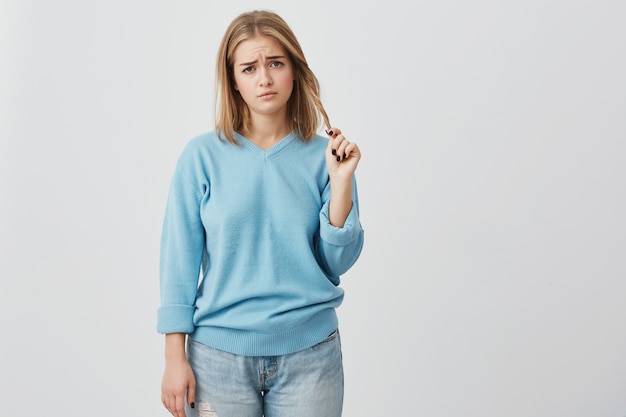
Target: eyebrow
<point>269,58</point>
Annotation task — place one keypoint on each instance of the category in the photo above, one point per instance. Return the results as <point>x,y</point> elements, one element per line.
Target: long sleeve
<point>182,246</point>
<point>339,248</point>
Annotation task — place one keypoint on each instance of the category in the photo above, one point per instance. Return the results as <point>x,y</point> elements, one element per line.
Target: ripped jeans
<point>308,383</point>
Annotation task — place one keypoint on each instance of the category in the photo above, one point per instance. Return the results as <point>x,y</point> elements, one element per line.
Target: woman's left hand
<point>342,156</point>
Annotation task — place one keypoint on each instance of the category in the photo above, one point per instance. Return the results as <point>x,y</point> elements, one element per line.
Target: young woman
<point>262,219</point>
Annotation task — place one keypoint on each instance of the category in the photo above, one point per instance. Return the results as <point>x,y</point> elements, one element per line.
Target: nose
<point>264,77</point>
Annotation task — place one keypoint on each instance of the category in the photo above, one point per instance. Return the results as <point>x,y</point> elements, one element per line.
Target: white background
<point>493,279</point>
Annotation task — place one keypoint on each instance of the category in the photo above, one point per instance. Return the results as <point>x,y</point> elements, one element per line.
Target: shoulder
<point>200,143</point>
<point>319,141</point>
<point>199,154</point>
<point>202,146</point>
<point>315,145</point>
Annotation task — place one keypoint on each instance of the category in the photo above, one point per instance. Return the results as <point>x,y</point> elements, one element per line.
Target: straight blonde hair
<point>304,107</point>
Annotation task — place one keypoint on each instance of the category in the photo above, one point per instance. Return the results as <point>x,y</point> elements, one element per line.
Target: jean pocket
<point>330,336</point>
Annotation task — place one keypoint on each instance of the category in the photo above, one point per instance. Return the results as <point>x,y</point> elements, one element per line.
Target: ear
<point>235,87</point>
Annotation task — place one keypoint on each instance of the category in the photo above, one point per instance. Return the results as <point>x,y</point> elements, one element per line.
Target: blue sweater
<point>249,261</point>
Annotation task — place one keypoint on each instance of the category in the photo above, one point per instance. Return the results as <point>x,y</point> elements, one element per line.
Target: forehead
<point>260,45</point>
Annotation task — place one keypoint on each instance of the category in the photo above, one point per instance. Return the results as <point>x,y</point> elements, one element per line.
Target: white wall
<point>492,189</point>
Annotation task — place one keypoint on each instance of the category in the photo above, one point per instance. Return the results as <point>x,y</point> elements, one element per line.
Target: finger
<point>341,148</point>
<point>191,394</point>
<point>330,132</point>
<point>180,406</point>
<point>172,407</point>
<point>165,400</point>
<point>352,150</point>
<point>332,146</point>
<point>353,155</point>
<point>171,403</point>
<point>338,145</point>
<point>333,131</point>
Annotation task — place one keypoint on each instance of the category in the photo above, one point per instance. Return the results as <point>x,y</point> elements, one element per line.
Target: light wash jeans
<point>308,383</point>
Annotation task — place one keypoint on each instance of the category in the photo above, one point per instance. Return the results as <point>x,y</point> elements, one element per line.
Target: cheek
<point>242,87</point>
<point>239,81</point>
<point>287,81</point>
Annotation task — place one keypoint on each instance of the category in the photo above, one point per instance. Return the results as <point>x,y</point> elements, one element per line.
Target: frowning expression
<point>264,75</point>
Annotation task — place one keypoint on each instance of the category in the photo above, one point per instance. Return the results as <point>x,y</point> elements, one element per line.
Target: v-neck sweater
<point>250,263</point>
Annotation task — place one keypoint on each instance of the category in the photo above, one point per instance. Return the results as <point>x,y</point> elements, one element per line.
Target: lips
<point>267,94</point>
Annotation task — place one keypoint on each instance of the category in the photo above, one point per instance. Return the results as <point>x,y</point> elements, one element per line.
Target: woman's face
<point>264,75</point>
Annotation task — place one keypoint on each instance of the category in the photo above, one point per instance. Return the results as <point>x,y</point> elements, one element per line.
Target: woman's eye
<point>248,70</point>
<point>276,64</point>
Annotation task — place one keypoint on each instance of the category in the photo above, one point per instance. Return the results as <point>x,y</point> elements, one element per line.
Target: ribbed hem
<point>249,343</point>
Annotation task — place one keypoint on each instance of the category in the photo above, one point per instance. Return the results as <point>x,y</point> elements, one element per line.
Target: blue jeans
<point>308,383</point>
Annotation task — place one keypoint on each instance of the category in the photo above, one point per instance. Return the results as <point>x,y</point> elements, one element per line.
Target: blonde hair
<point>304,107</point>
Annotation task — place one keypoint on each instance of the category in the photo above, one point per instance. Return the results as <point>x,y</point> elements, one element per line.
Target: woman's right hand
<point>178,383</point>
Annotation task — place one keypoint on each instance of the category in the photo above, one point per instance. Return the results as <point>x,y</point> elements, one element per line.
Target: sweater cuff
<point>340,236</point>
<point>175,319</point>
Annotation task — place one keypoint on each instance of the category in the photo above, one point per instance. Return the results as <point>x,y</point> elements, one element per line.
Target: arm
<point>340,238</point>
<point>182,245</point>
<point>178,378</point>
<point>342,158</point>
<point>340,201</point>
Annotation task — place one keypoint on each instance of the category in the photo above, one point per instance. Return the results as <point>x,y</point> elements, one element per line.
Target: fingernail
<point>334,152</point>
<point>193,405</point>
<point>330,133</point>
<point>345,156</point>
<point>338,158</point>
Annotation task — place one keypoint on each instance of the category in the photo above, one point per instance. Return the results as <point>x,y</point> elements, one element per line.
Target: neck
<point>266,132</point>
